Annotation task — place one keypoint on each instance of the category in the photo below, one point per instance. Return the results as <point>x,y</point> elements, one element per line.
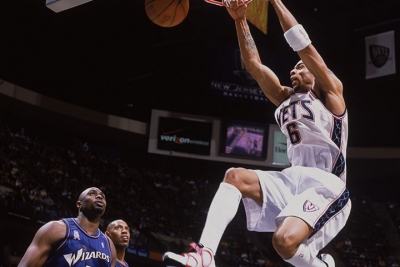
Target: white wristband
<point>297,38</point>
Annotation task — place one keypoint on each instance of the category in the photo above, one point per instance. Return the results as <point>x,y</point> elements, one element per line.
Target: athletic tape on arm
<point>297,37</point>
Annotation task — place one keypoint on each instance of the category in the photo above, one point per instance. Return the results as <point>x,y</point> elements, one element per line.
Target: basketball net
<point>224,2</point>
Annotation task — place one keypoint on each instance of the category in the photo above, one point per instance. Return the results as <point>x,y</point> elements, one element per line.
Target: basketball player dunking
<point>76,241</point>
<point>307,204</point>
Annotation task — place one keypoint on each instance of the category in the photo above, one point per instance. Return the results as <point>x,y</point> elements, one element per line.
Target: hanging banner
<point>380,55</point>
<point>230,78</point>
<point>257,14</point>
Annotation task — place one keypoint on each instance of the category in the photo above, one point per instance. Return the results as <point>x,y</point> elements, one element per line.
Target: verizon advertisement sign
<point>181,135</point>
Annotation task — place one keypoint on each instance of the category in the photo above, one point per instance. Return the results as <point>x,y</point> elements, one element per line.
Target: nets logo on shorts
<point>309,207</point>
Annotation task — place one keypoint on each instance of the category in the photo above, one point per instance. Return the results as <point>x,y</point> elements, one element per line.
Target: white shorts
<point>320,198</point>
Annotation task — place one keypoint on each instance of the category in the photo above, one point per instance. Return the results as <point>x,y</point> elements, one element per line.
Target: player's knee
<point>284,245</point>
<point>233,177</point>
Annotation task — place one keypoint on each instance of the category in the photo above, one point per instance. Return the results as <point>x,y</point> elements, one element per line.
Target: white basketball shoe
<point>198,256</point>
<point>328,259</point>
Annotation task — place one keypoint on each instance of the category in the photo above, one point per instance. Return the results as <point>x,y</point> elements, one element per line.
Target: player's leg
<point>288,243</point>
<point>289,235</point>
<point>312,218</point>
<point>237,182</point>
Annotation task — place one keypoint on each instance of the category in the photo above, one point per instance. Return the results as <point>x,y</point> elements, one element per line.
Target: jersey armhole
<point>62,241</point>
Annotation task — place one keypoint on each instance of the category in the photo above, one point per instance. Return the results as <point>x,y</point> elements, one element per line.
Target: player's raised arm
<point>42,244</point>
<point>265,77</point>
<point>327,86</point>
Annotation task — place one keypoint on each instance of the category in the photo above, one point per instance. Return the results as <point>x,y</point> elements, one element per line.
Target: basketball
<point>167,13</point>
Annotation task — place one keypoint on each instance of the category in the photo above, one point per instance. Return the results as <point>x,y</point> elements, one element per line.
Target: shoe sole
<point>328,259</point>
<point>173,260</point>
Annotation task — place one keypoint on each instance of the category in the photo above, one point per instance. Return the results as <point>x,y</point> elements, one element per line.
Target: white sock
<point>303,258</point>
<point>222,210</point>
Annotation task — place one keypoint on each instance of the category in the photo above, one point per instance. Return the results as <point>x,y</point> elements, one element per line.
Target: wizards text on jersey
<point>81,255</point>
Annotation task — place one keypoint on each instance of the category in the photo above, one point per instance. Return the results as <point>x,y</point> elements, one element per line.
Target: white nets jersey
<point>315,136</point>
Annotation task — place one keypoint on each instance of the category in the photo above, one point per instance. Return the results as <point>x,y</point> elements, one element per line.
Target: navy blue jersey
<point>119,264</point>
<point>80,249</point>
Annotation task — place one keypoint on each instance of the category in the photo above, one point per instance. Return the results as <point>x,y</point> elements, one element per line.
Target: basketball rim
<point>223,2</point>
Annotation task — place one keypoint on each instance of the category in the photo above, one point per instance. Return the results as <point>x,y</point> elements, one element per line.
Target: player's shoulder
<point>284,94</point>
<point>57,228</point>
<point>54,223</point>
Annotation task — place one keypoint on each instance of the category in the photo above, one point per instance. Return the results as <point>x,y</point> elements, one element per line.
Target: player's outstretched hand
<point>236,8</point>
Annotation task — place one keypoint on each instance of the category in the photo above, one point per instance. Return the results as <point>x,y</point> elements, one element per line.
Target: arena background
<point>105,58</point>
